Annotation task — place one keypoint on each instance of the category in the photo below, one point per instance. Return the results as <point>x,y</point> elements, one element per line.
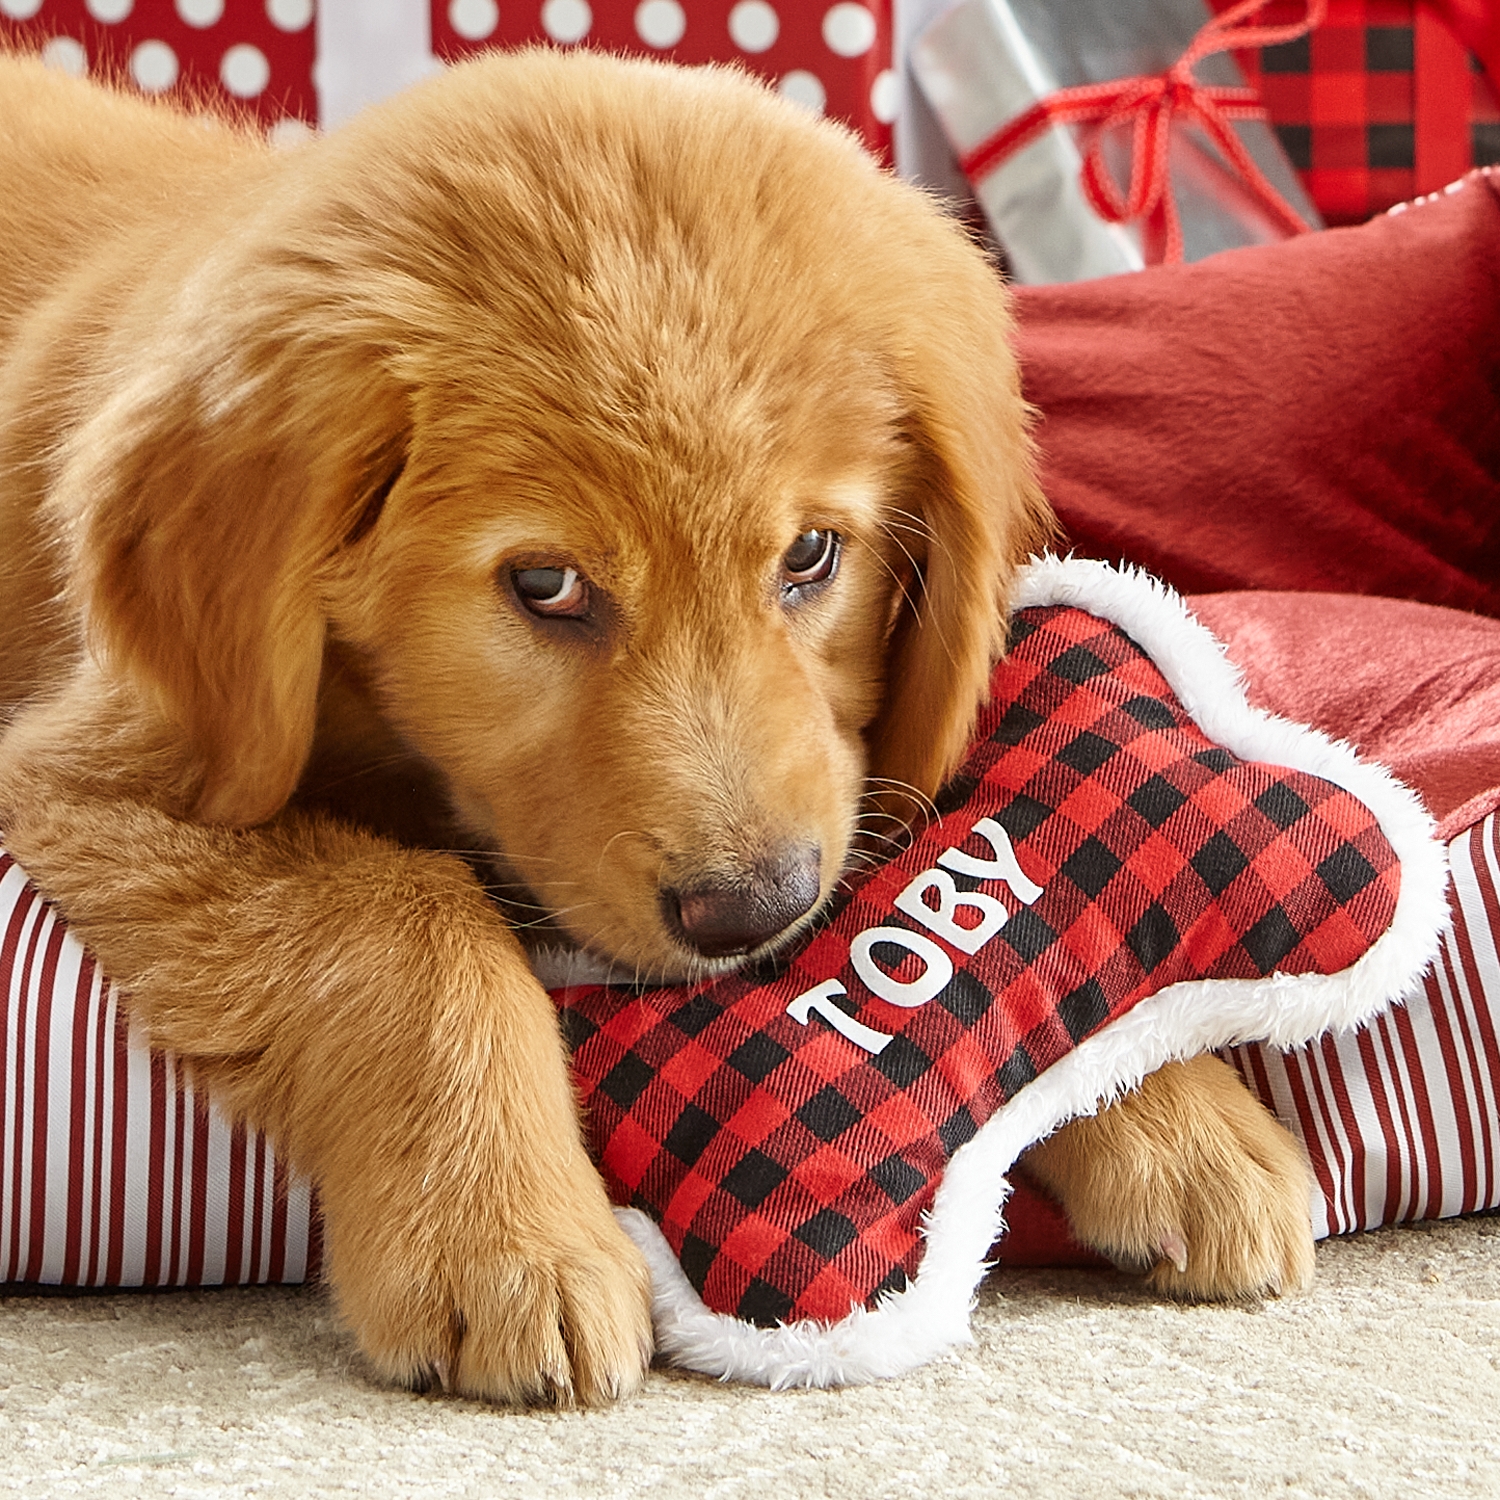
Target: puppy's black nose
<point>720,918</point>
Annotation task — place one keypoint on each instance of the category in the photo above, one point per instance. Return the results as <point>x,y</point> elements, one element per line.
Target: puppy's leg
<point>367,1007</point>
<point>1191,1176</point>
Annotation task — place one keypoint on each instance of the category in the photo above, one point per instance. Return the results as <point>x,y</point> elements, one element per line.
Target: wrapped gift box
<point>1381,103</point>
<point>259,55</point>
<point>833,57</point>
<point>984,63</point>
<point>255,58</point>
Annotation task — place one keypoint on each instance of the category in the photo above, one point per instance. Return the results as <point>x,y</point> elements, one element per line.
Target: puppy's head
<point>662,460</point>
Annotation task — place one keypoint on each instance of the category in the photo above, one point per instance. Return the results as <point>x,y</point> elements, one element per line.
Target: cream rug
<point>1382,1381</point>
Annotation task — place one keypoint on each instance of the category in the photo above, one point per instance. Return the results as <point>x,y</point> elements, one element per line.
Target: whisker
<point>624,833</point>
<point>898,580</point>
<point>917,571</point>
<point>379,763</point>
<point>918,527</point>
<point>547,915</point>
<point>934,546</point>
<point>880,812</point>
<point>866,825</point>
<point>906,789</point>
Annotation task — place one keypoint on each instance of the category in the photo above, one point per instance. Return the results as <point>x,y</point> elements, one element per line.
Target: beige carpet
<point>1383,1381</point>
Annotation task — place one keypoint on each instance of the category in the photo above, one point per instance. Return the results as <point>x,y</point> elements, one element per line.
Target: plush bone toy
<point>1131,866</point>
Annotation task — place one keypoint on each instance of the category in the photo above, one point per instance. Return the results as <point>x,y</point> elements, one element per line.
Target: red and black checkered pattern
<point>1377,105</point>
<point>789,1166</point>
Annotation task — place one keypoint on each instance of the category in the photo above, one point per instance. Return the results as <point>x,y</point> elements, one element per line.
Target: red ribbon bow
<point>1148,103</point>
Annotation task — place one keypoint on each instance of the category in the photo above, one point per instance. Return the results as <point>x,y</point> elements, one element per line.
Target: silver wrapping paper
<point>984,62</point>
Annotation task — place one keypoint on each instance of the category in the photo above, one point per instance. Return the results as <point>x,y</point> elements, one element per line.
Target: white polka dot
<point>849,30</point>
<point>288,133</point>
<point>473,19</point>
<point>20,10</point>
<point>200,12</point>
<point>567,20</point>
<point>885,96</point>
<point>660,23</point>
<point>754,26</point>
<point>804,89</point>
<point>245,71</point>
<point>290,15</point>
<point>153,65</point>
<point>66,55</point>
<point>110,11</point>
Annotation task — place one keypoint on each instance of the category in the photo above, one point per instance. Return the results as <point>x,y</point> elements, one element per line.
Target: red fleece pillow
<point>1316,414</point>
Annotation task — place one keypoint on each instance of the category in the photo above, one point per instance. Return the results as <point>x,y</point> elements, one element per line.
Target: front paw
<point>550,1306</point>
<point>1232,1222</point>
<point>1191,1179</point>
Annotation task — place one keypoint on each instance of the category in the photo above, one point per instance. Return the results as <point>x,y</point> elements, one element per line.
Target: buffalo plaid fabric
<point>1377,105</point>
<point>1484,121</point>
<point>789,1161</point>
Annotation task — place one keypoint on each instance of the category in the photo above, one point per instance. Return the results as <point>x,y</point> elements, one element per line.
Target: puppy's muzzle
<point>722,917</point>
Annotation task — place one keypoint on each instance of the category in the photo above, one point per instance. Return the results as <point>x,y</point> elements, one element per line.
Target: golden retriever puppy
<point>576,477</point>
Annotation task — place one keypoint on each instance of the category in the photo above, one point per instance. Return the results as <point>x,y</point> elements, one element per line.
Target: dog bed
<point>1259,881</point>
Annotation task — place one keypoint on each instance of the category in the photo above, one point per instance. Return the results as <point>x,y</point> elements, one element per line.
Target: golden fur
<point>276,431</point>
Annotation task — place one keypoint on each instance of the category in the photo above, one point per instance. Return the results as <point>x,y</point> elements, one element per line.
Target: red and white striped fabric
<point>112,1171</point>
<point>1401,1120</point>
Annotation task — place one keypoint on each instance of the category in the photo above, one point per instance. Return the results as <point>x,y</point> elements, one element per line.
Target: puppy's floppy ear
<point>972,512</point>
<point>206,501</point>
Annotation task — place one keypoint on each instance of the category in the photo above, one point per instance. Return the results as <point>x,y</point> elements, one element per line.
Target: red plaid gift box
<point>1382,102</point>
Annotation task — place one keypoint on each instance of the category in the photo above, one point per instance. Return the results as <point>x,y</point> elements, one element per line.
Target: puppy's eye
<point>813,558</point>
<point>552,593</point>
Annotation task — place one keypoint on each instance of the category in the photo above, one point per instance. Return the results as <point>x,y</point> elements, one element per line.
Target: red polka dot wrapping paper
<point>257,56</point>
<point>833,55</point>
<point>1131,865</point>
<point>248,58</point>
